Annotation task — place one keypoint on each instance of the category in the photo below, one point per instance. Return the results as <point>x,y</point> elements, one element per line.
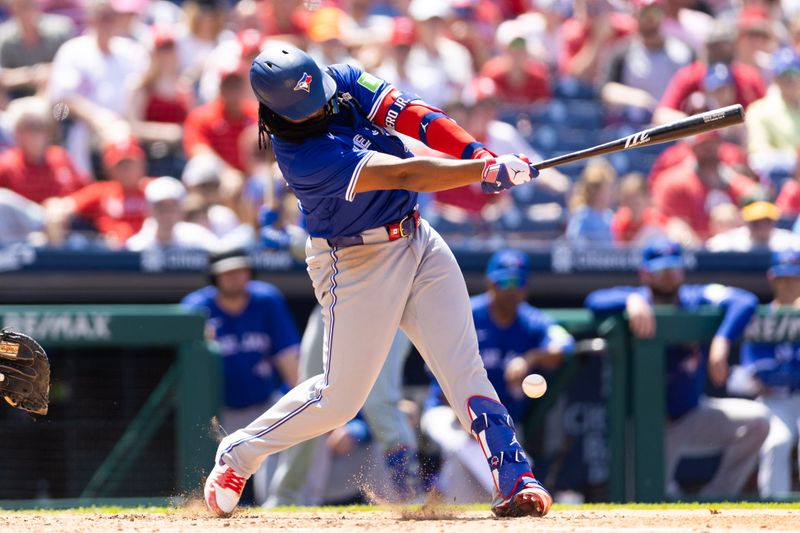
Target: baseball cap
<point>760,210</point>
<point>753,18</point>
<point>164,188</point>
<point>508,268</point>
<point>202,168</point>
<point>785,61</point>
<point>403,32</point>
<point>230,259</point>
<point>118,151</point>
<point>718,75</point>
<point>662,255</point>
<point>785,264</point>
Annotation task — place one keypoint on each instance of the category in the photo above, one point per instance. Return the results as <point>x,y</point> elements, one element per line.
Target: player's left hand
<point>718,360</point>
<point>506,171</point>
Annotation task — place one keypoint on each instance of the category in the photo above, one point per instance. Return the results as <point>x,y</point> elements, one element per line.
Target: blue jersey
<point>531,330</point>
<point>322,171</point>
<point>776,365</point>
<point>686,362</point>
<point>249,341</point>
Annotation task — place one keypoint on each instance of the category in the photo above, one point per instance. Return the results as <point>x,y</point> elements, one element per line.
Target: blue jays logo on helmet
<point>304,83</point>
<point>289,82</point>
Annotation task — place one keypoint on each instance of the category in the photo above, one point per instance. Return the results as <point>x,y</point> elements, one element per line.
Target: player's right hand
<point>640,316</point>
<point>506,171</point>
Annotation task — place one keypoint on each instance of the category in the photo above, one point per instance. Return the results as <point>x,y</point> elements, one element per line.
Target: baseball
<point>534,386</point>
<point>60,111</point>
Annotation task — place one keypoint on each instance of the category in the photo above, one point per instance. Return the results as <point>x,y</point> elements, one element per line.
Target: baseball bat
<point>702,122</point>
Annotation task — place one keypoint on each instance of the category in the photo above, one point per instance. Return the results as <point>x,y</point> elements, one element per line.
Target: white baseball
<point>60,111</point>
<point>534,386</point>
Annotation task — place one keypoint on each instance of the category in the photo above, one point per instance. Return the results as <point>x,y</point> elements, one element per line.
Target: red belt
<point>403,228</point>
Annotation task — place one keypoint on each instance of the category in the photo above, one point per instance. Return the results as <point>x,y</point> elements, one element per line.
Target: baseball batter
<point>374,264</point>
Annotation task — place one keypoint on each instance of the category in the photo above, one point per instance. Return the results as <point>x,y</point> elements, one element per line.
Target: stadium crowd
<point>101,96</point>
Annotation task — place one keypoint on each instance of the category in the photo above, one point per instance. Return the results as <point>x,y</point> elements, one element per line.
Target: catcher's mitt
<point>24,372</point>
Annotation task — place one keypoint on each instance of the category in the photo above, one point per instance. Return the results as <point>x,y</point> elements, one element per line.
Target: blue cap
<point>509,268</point>
<point>662,255</point>
<point>718,75</point>
<point>785,61</point>
<point>785,264</point>
<point>289,82</point>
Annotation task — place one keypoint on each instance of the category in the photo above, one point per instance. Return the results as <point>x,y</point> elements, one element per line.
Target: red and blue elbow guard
<point>411,116</point>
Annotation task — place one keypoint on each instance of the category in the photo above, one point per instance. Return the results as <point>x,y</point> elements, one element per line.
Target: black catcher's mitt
<point>24,372</point>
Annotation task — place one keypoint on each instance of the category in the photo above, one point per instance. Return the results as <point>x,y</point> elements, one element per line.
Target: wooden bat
<point>702,122</point>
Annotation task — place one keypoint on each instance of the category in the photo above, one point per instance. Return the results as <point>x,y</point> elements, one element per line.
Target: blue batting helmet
<point>289,82</point>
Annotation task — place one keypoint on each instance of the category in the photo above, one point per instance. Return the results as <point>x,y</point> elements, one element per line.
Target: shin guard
<point>494,429</point>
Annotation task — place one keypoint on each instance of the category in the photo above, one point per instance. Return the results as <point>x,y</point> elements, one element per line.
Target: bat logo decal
<point>637,139</point>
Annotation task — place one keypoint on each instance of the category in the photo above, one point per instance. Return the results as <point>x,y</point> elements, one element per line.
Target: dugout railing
<point>189,389</point>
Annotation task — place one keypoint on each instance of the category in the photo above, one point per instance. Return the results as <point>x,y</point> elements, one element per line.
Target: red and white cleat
<point>223,489</point>
<point>531,500</point>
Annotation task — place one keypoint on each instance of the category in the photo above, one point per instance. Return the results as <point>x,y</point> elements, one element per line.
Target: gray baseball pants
<point>366,293</point>
<point>389,426</point>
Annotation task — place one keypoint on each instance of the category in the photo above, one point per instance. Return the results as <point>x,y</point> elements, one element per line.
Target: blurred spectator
<point>35,168</point>
<point>165,227</point>
<point>241,50</point>
<point>28,43</point>
<point>395,64</point>
<point>515,339</point>
<point>687,24</point>
<point>541,29</point>
<point>474,25</point>
<point>693,422</point>
<point>636,221</point>
<point>756,38</point>
<point>641,67</point>
<point>789,197</point>
<point>728,153</point>
<point>689,191</point>
<point>20,218</point>
<point>217,126</point>
<point>203,30</point>
<point>773,122</point>
<point>441,66</point>
<point>724,217</point>
<point>285,20</point>
<point>588,36</point>
<point>115,208</point>
<point>592,198</point>
<point>328,37</point>
<point>518,78</point>
<point>720,48</point>
<point>775,370</point>
<point>160,99</point>
<point>759,232</point>
<point>201,176</point>
<point>89,72</point>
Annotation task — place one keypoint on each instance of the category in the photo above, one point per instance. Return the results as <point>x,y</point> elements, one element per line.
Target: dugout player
<point>514,339</point>
<point>776,369</point>
<point>695,424</point>
<point>374,263</point>
<point>257,339</point>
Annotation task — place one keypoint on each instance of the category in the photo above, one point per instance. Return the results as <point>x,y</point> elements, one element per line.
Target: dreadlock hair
<point>271,123</point>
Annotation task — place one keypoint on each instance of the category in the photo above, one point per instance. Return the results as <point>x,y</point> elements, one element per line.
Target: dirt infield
<point>442,520</point>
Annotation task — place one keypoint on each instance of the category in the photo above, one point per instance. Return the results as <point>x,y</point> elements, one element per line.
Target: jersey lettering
<point>360,143</point>
<point>395,109</point>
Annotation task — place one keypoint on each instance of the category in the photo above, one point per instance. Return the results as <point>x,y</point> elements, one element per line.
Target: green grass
<point>111,509</point>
